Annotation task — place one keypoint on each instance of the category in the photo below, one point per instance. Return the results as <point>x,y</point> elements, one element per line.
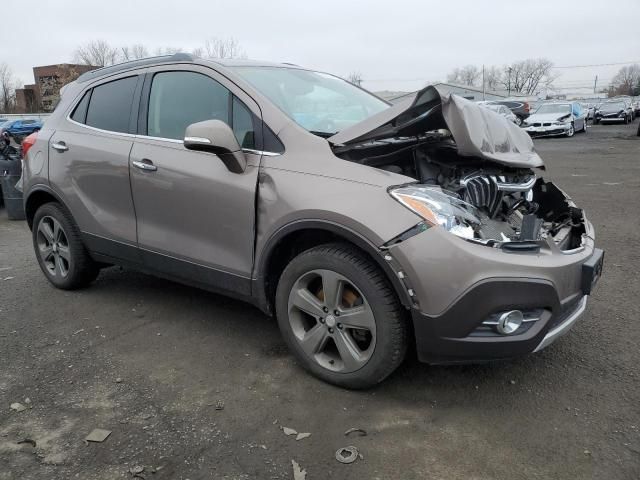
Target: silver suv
<point>362,226</point>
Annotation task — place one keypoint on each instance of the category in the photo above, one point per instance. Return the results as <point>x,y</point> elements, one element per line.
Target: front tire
<point>340,317</point>
<point>62,256</point>
<point>571,131</point>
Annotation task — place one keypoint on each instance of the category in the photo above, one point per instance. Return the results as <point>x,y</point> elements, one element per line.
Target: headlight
<point>439,208</point>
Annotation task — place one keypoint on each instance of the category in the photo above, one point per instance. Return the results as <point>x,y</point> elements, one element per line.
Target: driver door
<point>195,218</point>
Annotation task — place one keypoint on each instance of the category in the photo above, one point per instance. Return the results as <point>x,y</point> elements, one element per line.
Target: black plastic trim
<point>259,283</point>
<point>445,338</point>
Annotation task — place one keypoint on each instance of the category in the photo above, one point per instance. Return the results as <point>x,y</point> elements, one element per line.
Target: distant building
<point>43,95</point>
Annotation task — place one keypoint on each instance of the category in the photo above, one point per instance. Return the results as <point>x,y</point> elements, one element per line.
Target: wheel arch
<point>299,236</point>
<point>38,196</point>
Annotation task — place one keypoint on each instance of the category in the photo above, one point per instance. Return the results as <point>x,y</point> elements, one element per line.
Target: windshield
<point>613,106</point>
<point>320,103</point>
<point>554,108</point>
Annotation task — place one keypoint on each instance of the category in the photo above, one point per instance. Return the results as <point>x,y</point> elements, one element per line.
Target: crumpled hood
<point>477,131</point>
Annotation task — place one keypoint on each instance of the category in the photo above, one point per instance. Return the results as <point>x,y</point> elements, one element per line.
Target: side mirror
<point>215,136</point>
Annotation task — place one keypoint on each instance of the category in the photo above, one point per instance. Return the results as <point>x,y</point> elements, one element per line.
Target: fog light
<point>509,322</point>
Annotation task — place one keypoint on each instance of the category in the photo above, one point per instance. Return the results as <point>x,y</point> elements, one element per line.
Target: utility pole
<point>595,84</point>
<point>483,89</point>
<point>509,88</point>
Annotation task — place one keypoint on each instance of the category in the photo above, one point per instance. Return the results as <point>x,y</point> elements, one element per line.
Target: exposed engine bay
<point>500,204</point>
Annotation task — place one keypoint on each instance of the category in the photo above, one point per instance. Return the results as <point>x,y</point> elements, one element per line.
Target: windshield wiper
<point>323,134</point>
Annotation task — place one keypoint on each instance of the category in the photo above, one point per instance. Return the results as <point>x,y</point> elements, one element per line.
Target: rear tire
<point>340,317</point>
<point>62,256</point>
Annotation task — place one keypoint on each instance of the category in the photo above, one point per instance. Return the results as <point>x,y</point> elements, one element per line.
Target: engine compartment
<point>513,204</point>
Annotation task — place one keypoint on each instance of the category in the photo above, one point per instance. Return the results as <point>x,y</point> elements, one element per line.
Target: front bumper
<point>611,119</point>
<point>478,282</point>
<point>547,130</point>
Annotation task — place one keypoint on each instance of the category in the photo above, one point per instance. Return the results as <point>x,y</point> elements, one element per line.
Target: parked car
<point>613,111</point>
<point>556,118</point>
<point>21,128</point>
<point>406,223</point>
<point>589,110</point>
<point>504,111</point>
<point>521,109</point>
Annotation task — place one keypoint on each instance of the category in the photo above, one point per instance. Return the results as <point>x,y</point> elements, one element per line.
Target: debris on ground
<point>219,405</point>
<point>118,380</point>
<point>18,407</point>
<point>302,436</point>
<point>28,441</point>
<point>136,470</point>
<point>98,435</point>
<point>78,331</point>
<point>347,454</point>
<point>27,401</point>
<point>298,473</point>
<point>289,431</point>
<point>359,431</point>
<point>512,382</point>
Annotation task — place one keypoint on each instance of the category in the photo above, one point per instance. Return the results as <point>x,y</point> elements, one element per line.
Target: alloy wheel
<point>571,131</point>
<point>332,321</point>
<point>53,247</point>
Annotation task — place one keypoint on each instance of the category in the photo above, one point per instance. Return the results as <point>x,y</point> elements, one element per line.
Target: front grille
<point>482,191</point>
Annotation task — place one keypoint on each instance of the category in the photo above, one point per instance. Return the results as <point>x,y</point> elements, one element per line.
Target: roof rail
<point>99,72</point>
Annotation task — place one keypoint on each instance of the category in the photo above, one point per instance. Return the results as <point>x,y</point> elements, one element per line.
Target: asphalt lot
<point>153,361</point>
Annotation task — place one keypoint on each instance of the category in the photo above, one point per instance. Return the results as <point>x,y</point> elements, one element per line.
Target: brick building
<point>43,95</point>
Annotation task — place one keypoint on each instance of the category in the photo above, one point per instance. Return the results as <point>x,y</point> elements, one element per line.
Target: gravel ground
<point>194,385</point>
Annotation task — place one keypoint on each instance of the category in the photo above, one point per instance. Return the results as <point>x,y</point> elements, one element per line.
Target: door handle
<point>60,147</point>
<point>145,164</point>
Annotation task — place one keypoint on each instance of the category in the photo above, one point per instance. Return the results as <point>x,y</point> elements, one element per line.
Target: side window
<point>80,112</point>
<point>110,105</point>
<point>243,124</point>
<point>178,99</point>
<point>576,109</point>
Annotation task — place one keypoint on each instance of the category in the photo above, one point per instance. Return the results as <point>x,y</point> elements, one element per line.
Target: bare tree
<point>527,76</point>
<point>198,52</point>
<point>98,53</point>
<point>467,75</point>
<point>168,50</point>
<point>7,89</point>
<point>223,48</point>
<point>492,78</point>
<point>626,79</point>
<point>134,52</point>
<point>355,78</point>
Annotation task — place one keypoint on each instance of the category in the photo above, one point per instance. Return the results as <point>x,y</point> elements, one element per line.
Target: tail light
<point>28,142</point>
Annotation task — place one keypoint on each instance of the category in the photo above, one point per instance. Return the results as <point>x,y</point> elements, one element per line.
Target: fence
<point>24,116</point>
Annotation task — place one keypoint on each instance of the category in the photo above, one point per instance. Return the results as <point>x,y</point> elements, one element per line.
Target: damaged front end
<point>476,174</point>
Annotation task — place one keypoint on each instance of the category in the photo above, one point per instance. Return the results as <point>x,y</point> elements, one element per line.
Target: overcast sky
<point>397,45</point>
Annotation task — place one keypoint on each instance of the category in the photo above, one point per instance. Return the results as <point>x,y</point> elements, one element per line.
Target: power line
<point>598,64</point>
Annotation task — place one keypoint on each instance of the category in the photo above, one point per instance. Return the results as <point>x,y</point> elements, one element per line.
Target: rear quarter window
<point>110,105</point>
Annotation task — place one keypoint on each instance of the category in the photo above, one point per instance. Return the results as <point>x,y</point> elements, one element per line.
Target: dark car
<point>519,107</point>
<point>614,111</point>
<point>21,128</point>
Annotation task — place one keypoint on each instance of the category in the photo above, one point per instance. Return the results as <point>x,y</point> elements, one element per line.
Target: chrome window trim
<point>162,139</point>
<point>261,152</point>
<point>112,132</point>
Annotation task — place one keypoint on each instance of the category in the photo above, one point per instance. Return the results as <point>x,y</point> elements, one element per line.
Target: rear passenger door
<point>89,163</point>
<point>195,218</point>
